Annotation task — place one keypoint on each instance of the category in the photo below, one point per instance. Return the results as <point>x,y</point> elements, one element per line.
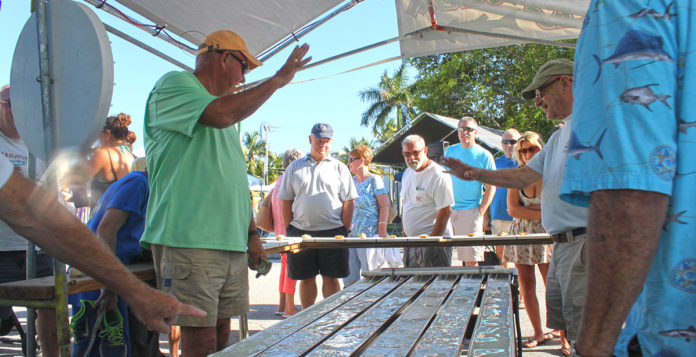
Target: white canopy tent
<point>425,26</point>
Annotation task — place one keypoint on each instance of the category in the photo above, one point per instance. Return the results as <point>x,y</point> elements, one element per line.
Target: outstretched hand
<point>294,63</point>
<point>157,310</point>
<point>459,169</point>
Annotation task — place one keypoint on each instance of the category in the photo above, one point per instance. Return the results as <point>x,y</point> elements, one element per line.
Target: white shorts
<point>465,221</point>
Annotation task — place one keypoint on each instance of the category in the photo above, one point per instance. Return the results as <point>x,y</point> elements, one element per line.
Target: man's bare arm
<point>443,215</point>
<point>519,177</point>
<point>36,215</point>
<point>231,109</point>
<point>109,226</point>
<point>287,212</point>
<point>254,246</point>
<point>347,213</point>
<point>620,224</point>
<point>487,199</point>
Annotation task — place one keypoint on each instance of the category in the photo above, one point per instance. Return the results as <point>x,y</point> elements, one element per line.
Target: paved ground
<point>264,300</point>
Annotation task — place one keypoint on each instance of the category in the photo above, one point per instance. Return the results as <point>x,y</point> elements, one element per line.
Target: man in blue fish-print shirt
<point>630,158</point>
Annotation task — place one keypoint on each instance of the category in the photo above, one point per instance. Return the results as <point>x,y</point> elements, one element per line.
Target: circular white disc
<point>82,71</point>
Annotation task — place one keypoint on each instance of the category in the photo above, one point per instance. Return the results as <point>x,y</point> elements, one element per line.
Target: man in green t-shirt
<point>199,223</point>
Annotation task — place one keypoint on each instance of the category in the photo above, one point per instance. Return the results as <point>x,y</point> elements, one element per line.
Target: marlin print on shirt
<point>676,218</point>
<point>644,96</point>
<point>576,148</point>
<point>644,12</point>
<point>687,334</point>
<point>634,45</point>
<point>684,126</point>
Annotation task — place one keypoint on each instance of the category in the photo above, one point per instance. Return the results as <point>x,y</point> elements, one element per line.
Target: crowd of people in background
<point>592,160</point>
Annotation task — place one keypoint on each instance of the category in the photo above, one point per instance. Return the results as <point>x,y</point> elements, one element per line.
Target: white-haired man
<point>426,195</point>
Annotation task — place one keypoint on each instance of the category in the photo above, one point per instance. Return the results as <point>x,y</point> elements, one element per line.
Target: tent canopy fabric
<point>460,24</point>
<point>433,127</point>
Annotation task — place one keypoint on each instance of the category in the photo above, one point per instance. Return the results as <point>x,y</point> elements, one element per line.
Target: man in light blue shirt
<point>470,201</point>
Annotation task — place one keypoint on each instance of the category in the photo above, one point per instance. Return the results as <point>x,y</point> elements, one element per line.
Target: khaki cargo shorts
<point>215,281</point>
<point>565,287</point>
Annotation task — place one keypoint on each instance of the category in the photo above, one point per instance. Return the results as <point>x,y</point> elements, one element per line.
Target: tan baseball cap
<point>557,67</point>
<point>228,40</point>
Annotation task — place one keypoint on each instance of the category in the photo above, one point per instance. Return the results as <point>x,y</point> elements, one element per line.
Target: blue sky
<point>292,110</point>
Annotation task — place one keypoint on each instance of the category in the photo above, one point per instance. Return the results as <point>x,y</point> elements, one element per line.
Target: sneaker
<point>111,341</point>
<point>83,326</point>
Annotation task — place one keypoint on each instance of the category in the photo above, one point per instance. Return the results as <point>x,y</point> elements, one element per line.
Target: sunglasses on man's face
<point>351,159</point>
<point>530,150</point>
<point>509,141</point>
<point>468,129</point>
<point>245,66</point>
<point>414,153</point>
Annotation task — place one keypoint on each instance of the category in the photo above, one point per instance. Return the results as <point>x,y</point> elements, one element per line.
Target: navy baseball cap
<point>322,130</point>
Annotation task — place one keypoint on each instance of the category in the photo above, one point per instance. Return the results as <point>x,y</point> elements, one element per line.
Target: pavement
<point>264,298</point>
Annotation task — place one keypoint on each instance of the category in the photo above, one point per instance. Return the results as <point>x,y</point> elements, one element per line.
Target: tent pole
<point>147,48</point>
<point>97,4</point>
<point>509,37</point>
<point>311,27</point>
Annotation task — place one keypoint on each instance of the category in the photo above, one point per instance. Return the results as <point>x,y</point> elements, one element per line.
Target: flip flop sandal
<point>531,343</point>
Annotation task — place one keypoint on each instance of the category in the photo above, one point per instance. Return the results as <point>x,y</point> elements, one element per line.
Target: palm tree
<point>352,144</point>
<point>392,93</point>
<point>275,166</point>
<point>254,149</point>
<point>385,132</point>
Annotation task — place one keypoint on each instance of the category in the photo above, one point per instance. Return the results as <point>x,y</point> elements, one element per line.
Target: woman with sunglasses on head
<point>525,209</point>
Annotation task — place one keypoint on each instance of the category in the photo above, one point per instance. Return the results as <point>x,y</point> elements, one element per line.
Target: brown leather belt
<point>568,236</point>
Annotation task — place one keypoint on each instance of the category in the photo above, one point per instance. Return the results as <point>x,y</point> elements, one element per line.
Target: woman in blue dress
<point>370,213</point>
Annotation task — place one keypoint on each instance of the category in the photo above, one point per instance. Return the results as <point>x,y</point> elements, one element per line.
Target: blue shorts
<point>312,262</point>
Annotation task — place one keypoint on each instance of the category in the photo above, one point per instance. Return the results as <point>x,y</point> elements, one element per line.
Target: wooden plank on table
<point>401,336</point>
<point>276,333</point>
<point>144,272</point>
<point>43,288</point>
<point>33,289</point>
<point>494,334</point>
<point>311,335</point>
<point>446,334</point>
<point>356,333</point>
<point>458,241</point>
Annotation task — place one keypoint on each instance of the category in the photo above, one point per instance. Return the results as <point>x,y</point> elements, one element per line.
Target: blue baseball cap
<point>322,130</point>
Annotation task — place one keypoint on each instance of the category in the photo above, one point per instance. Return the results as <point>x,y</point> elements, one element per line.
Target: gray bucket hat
<point>557,67</point>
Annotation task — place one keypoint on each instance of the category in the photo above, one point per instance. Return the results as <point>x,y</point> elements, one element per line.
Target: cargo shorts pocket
<point>173,271</point>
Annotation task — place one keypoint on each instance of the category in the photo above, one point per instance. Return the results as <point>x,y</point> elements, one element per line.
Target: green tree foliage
<point>485,84</point>
<point>255,150</point>
<point>391,94</point>
<point>352,144</point>
<point>383,133</point>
